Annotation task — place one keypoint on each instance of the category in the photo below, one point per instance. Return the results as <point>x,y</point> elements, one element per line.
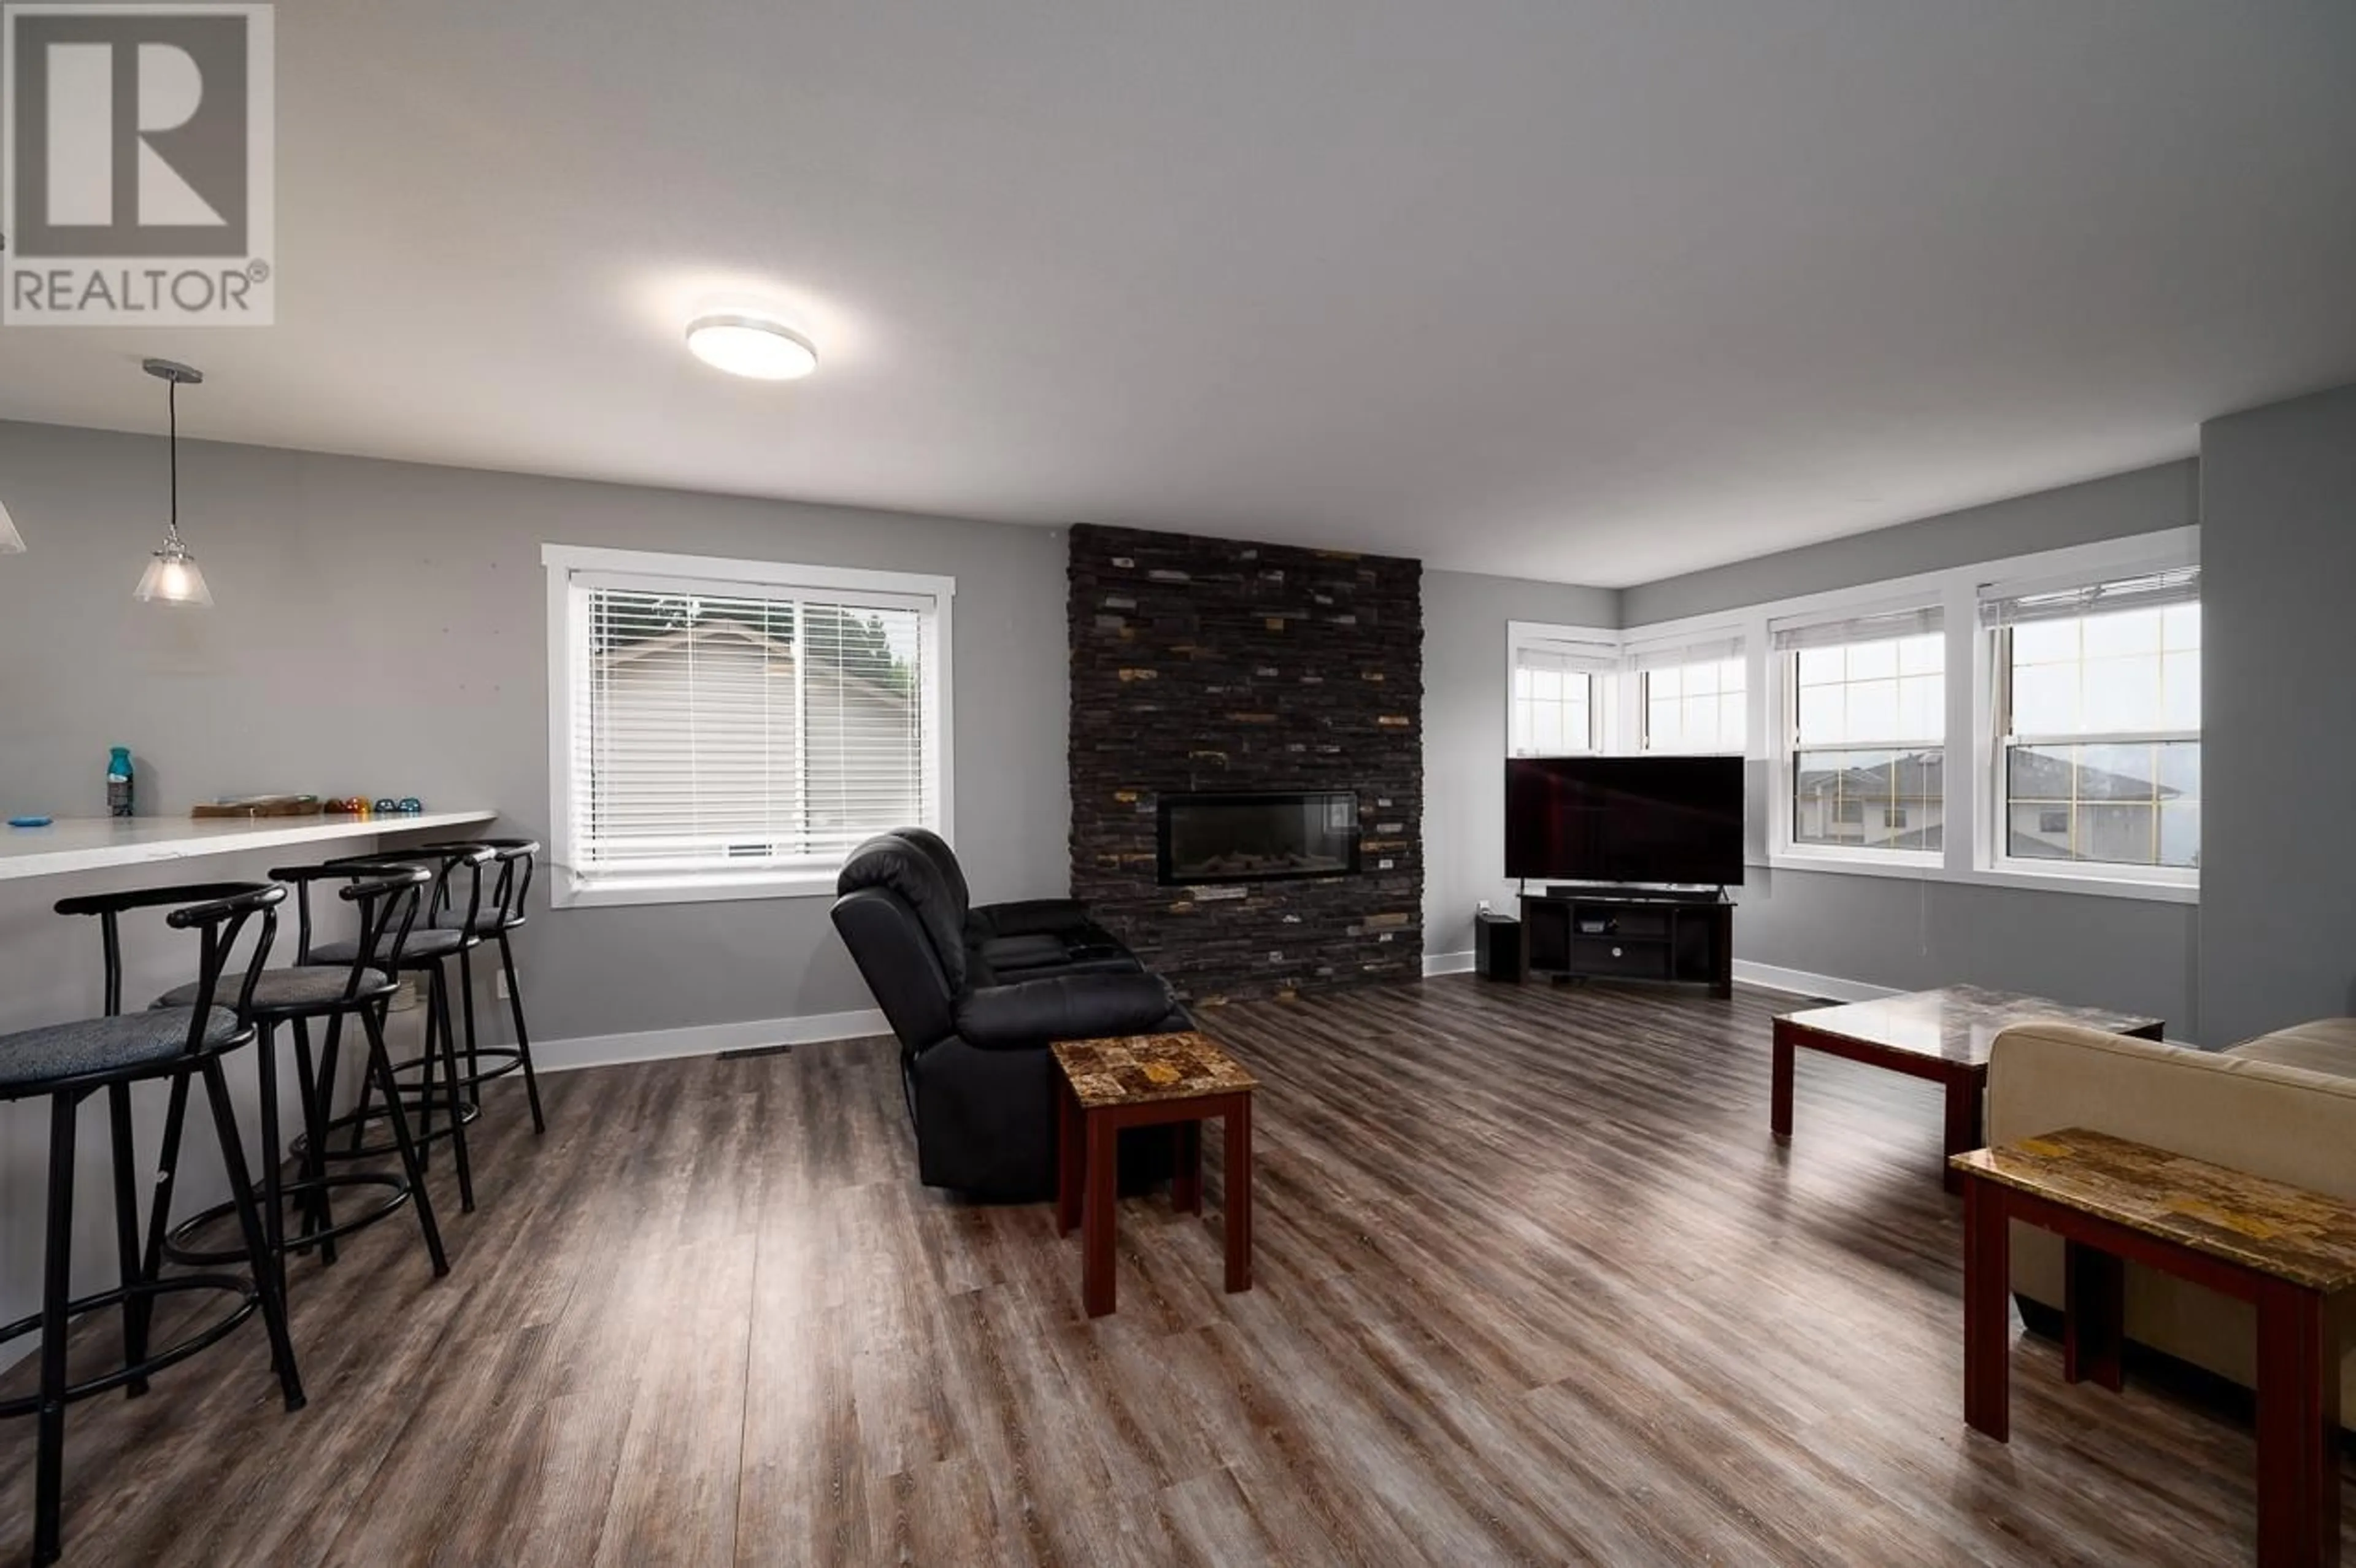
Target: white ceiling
<point>1568,289</point>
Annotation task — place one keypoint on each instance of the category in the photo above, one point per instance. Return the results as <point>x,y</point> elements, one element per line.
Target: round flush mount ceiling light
<point>753,346</point>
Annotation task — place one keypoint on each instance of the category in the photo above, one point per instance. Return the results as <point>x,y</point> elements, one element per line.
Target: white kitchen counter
<point>93,843</point>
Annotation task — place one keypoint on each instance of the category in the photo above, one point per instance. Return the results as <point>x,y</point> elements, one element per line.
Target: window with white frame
<point>2097,687</point>
<point>732,728</point>
<point>1865,731</point>
<point>1691,697</point>
<point>1557,700</point>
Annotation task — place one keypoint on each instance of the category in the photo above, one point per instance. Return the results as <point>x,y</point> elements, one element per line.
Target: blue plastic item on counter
<point>29,821</point>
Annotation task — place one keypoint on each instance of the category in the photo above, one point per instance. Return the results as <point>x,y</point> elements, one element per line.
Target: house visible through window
<point>1866,727</point>
<point>2098,758</point>
<point>733,724</point>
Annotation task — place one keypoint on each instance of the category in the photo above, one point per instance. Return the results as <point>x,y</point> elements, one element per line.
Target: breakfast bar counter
<point>94,843</point>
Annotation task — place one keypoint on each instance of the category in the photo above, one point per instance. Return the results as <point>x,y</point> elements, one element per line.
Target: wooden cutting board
<point>259,805</point>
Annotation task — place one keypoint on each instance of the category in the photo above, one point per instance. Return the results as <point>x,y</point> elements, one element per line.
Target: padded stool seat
<point>103,1045</point>
<point>424,945</point>
<point>293,991</point>
<point>490,924</point>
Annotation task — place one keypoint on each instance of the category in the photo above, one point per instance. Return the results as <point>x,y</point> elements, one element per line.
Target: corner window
<point>2097,757</point>
<point>733,729</point>
<point>1865,727</point>
<point>1557,701</point>
<point>1692,698</point>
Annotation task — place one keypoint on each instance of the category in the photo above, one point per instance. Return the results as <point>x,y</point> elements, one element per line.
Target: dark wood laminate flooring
<point>1534,1284</point>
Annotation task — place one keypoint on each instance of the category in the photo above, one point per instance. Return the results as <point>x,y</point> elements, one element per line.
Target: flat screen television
<point>1625,819</point>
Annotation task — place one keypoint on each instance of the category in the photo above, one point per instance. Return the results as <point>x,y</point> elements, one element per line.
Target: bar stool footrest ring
<point>178,1249</point>
<point>202,1339</point>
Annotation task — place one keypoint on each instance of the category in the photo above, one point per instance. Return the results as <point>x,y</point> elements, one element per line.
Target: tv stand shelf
<point>1630,934</point>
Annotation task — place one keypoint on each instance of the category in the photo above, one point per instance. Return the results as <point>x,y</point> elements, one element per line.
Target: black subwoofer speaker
<point>1497,947</point>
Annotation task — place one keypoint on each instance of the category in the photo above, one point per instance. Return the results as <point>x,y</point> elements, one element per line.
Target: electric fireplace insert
<point>1257,838</point>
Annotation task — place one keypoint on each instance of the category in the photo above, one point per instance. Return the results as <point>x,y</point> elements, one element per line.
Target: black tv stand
<point>1688,894</point>
<point>1631,933</point>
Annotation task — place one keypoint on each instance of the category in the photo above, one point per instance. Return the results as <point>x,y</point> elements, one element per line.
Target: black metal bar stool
<point>388,901</point>
<point>70,1062</point>
<point>427,952</point>
<point>517,860</point>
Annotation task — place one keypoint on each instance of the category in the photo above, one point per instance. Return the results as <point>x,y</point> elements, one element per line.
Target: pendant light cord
<point>172,404</point>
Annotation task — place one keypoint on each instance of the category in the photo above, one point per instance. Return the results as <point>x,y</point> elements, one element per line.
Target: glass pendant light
<point>172,577</point>
<point>11,541</point>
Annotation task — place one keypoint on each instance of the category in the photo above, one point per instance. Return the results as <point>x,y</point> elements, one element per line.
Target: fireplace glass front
<point>1257,837</point>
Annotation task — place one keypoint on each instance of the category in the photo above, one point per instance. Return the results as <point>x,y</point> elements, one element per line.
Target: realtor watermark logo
<point>139,178</point>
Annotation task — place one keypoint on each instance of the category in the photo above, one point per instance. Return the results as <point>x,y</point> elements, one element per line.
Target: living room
<point>1590,648</point>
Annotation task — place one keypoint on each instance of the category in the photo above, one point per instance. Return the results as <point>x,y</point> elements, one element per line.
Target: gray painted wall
<point>1464,734</point>
<point>2279,556</point>
<point>1909,934</point>
<point>1912,933</point>
<point>381,629</point>
<point>2139,502</point>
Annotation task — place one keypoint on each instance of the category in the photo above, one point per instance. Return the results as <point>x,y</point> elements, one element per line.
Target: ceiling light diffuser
<point>751,345</point>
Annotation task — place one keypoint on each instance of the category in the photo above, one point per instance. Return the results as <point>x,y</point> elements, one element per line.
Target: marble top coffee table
<point>1942,1035</point>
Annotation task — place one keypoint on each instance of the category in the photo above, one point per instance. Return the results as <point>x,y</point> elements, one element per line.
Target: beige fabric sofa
<point>2282,1105</point>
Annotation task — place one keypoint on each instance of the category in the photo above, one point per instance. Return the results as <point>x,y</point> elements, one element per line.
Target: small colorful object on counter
<point>361,806</point>
<point>29,821</point>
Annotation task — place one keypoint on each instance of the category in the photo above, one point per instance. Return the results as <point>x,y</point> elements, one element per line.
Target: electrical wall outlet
<point>500,984</point>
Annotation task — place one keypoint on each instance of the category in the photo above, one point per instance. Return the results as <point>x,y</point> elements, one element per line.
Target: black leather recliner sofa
<point>1028,934</point>
<point>975,997</point>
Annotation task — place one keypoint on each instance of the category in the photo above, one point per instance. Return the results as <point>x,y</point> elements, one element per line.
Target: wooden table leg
<point>1779,1104</point>
<point>1095,1221</point>
<point>1238,1193</point>
<point>1987,1309</point>
<point>1186,1184</point>
<point>1071,1157</point>
<point>2298,1428</point>
<point>1967,1094</point>
<point>2093,1305</point>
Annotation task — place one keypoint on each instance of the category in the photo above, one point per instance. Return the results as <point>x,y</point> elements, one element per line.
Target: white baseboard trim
<point>710,1039</point>
<point>705,1040</point>
<point>1801,983</point>
<point>1768,976</point>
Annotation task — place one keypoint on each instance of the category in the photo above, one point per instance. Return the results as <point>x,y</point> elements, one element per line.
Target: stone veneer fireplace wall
<point>1205,665</point>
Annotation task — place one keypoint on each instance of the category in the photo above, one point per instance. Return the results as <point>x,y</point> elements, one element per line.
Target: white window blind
<point>1880,626</point>
<point>725,731</point>
<point>2001,607</point>
<point>1669,656</point>
<point>1590,659</point>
